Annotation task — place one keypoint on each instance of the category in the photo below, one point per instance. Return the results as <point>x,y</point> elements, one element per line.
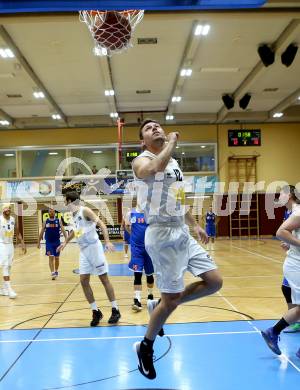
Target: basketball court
<point>75,85</point>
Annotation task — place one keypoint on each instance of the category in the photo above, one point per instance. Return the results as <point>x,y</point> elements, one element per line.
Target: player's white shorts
<point>173,251</point>
<point>291,271</point>
<point>6,254</point>
<point>92,260</point>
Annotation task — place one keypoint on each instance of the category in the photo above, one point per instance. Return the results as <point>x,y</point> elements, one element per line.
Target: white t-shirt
<point>84,230</point>
<point>294,251</point>
<point>162,196</point>
<point>7,228</point>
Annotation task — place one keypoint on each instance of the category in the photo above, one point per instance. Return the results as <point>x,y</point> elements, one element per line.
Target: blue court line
<point>214,356</point>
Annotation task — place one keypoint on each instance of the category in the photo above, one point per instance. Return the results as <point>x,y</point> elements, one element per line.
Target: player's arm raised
<point>144,166</point>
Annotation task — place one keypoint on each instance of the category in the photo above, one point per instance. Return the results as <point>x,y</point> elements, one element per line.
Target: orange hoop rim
<point>128,12</point>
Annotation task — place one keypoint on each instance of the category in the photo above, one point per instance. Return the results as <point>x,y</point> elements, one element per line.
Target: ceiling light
<point>182,152</point>
<point>9,154</point>
<point>169,117</point>
<point>6,53</point>
<point>298,97</point>
<point>114,115</point>
<point>4,123</point>
<point>177,147</point>
<point>109,92</point>
<point>203,146</point>
<point>202,29</point>
<point>277,115</point>
<point>39,95</point>
<point>56,116</point>
<point>176,99</point>
<point>53,153</point>
<point>97,151</point>
<point>100,51</point>
<point>186,72</point>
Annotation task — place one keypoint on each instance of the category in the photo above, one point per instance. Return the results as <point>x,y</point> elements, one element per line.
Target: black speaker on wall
<point>228,101</point>
<point>266,54</point>
<point>288,56</point>
<point>245,100</point>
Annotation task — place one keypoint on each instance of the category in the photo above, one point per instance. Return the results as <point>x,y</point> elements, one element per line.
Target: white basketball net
<point>110,31</point>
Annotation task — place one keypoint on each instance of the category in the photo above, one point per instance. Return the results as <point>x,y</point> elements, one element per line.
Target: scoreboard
<point>246,137</point>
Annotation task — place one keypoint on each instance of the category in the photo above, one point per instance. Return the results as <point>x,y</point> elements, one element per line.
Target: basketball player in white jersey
<point>289,233</point>
<point>7,228</point>
<point>92,259</point>
<point>160,194</point>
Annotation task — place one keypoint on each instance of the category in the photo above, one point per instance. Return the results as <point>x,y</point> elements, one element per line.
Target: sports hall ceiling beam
<point>285,103</point>
<point>4,115</point>
<point>23,61</point>
<point>282,41</point>
<point>187,60</point>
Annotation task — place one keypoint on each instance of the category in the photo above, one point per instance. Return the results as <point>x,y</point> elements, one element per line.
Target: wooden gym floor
<point>252,271</point>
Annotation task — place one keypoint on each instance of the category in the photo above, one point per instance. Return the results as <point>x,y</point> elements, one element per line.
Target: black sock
<point>148,343</point>
<point>281,324</point>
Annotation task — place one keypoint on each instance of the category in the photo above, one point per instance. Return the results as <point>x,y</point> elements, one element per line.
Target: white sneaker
<point>3,291</point>
<point>12,294</point>
<point>126,256</point>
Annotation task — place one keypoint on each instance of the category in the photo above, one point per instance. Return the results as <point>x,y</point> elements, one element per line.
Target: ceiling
<point>54,54</point>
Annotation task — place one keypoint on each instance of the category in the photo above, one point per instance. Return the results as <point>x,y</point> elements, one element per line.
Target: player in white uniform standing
<point>92,259</point>
<point>289,233</point>
<point>160,194</point>
<point>7,228</point>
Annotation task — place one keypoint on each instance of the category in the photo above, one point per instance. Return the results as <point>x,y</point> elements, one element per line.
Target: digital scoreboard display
<point>131,155</point>
<point>244,137</point>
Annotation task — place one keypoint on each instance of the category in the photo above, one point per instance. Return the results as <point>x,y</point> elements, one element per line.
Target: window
<point>196,158</point>
<point>39,163</point>
<point>7,163</point>
<point>93,159</point>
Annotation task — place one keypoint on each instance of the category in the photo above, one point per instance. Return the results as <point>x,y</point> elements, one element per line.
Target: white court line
<point>257,330</point>
<point>258,254</point>
<point>123,337</point>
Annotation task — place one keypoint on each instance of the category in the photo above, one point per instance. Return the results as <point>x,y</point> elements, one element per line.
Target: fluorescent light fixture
<point>100,51</point>
<point>9,154</point>
<point>39,95</point>
<point>298,97</point>
<point>56,116</point>
<point>114,115</point>
<point>182,152</point>
<point>186,72</point>
<point>203,146</point>
<point>97,151</point>
<point>277,115</point>
<point>176,99</point>
<point>202,29</point>
<point>53,153</point>
<point>177,147</point>
<point>109,92</point>
<point>198,197</point>
<point>169,117</point>
<point>6,53</point>
<point>4,123</point>
<point>205,29</point>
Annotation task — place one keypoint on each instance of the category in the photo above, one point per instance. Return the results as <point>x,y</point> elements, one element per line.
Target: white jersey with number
<point>84,230</point>
<point>162,196</point>
<point>294,251</point>
<point>7,228</point>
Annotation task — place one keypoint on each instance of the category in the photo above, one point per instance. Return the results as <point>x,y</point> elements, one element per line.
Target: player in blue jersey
<point>210,227</point>
<point>140,260</point>
<point>52,228</point>
<point>285,288</point>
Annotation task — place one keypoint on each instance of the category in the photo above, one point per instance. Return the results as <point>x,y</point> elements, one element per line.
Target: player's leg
<point>88,292</point>
<point>7,252</point>
<point>115,314</point>
<point>149,271</point>
<point>136,264</point>
<point>287,293</point>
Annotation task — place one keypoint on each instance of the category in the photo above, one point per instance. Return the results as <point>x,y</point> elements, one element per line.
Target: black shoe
<point>115,316</point>
<point>97,316</point>
<point>150,296</point>
<point>137,306</point>
<point>145,357</point>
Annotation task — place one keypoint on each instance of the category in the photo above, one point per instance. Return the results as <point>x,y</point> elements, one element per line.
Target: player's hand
<point>173,137</point>
<point>39,245</point>
<point>61,247</point>
<point>284,246</point>
<point>109,246</point>
<point>201,234</point>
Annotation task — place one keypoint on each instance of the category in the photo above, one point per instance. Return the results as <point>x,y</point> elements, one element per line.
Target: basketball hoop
<point>111,30</point>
